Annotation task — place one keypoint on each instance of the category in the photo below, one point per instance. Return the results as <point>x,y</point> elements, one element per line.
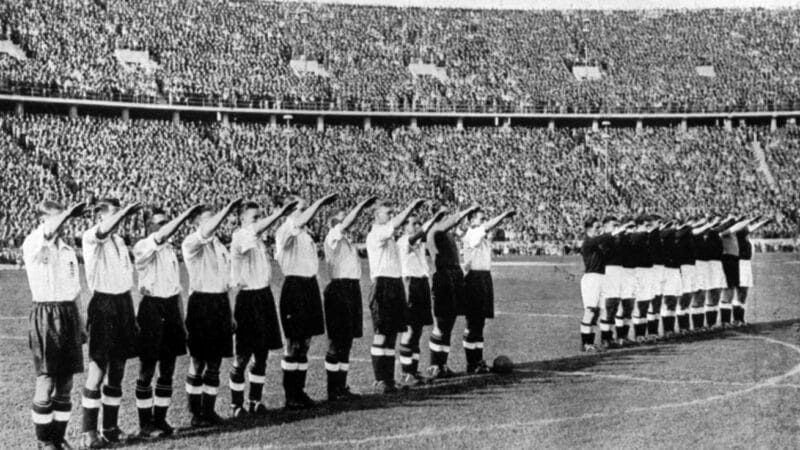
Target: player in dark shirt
<point>640,241</point>
<point>591,282</point>
<point>657,252</point>
<point>671,286</point>
<point>716,274</point>
<point>628,283</point>
<point>612,257</point>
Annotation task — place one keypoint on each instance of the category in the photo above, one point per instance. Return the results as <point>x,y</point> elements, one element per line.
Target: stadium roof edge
<point>633,5</point>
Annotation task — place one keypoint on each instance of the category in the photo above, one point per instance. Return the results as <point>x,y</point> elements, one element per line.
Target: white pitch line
<point>12,338</point>
<point>433,431</point>
<point>13,317</point>
<point>530,264</point>
<point>612,376</point>
<point>559,316</point>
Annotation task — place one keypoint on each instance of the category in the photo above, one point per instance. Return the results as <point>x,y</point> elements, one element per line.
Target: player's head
<point>476,218</point>
<point>412,224</point>
<point>301,203</point>
<point>383,212</point>
<point>202,215</point>
<point>157,218</point>
<point>106,206</point>
<point>610,223</point>
<point>249,212</point>
<point>591,226</point>
<point>49,211</point>
<point>654,220</point>
<point>337,218</point>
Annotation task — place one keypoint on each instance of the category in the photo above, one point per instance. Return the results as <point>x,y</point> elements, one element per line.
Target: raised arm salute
<point>300,302</point>
<point>55,326</point>
<point>162,336</point>
<point>447,289</point>
<point>479,291</point>
<point>414,267</point>
<point>257,329</point>
<point>111,321</point>
<point>209,323</point>
<point>342,300</point>
<point>387,293</point>
<point>745,267</point>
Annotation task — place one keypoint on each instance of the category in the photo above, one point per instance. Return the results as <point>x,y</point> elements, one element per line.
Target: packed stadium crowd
<point>556,177</point>
<point>239,53</point>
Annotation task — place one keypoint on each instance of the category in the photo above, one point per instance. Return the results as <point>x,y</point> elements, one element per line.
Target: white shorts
<point>592,289</point>
<point>657,280</point>
<point>612,282</point>
<point>628,286</point>
<point>672,282</point>
<point>644,283</point>
<point>688,273</point>
<point>717,275</point>
<point>702,275</point>
<point>745,273</point>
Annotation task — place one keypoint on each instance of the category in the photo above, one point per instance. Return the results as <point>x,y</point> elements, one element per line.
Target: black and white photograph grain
<point>399,224</point>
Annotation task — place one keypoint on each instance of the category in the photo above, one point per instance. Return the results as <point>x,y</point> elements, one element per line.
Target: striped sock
<point>209,395</point>
<point>652,324</point>
<point>194,394</point>
<point>42,416</point>
<point>162,401</point>
<point>332,371</point>
<point>387,365</point>
<point>725,313</point>
<point>289,367</point>
<point>61,414</point>
<point>256,386</point>
<point>439,351</point>
<point>406,359</point>
<point>605,331</point>
<point>111,399</point>
<point>90,404</point>
<point>587,337</point>
<point>668,320</point>
<point>622,332</point>
<point>302,372</point>
<point>698,318</point>
<point>236,384</point>
<point>344,367</point>
<point>711,315</point>
<point>144,403</point>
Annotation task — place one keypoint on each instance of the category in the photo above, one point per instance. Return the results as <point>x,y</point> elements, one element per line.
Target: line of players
<point>648,272</point>
<point>402,301</point>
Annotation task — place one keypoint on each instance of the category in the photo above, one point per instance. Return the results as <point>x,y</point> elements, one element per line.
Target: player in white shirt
<point>55,326</point>
<point>387,301</point>
<point>300,301</point>
<point>342,299</point>
<point>414,265</point>
<point>478,302</point>
<point>209,322</point>
<point>257,328</point>
<point>111,321</point>
<point>162,335</point>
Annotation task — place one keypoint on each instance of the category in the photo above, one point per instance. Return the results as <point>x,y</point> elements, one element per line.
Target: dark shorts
<point>478,295</point>
<point>730,265</point>
<point>208,323</point>
<point>301,308</point>
<point>387,303</point>
<point>257,328</point>
<point>111,323</point>
<point>448,291</point>
<point>343,310</point>
<point>161,334</point>
<point>55,339</point>
<point>419,302</point>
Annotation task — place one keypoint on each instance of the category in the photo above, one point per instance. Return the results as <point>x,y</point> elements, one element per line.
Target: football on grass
<point>502,364</point>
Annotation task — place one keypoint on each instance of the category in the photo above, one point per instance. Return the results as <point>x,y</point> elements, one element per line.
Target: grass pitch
<point>734,389</point>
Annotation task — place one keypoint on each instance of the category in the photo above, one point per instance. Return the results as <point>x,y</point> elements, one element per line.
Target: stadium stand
<point>241,53</point>
<point>555,177</point>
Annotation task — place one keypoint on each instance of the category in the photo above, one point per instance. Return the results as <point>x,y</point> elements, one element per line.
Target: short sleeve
<point>334,236</point>
<point>246,239</point>
<point>474,236</point>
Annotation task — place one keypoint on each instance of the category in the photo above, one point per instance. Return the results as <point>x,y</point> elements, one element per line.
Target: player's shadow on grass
<point>531,374</point>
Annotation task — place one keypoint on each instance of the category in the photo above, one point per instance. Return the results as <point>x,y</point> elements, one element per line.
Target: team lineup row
<point>402,301</point>
<point>648,271</point>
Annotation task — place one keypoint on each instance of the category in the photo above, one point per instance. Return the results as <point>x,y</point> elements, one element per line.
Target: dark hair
<point>472,215</point>
<point>607,219</point>
<point>642,219</point>
<point>199,211</point>
<point>589,223</point>
<point>248,205</point>
<point>290,198</point>
<point>105,203</point>
<point>47,207</point>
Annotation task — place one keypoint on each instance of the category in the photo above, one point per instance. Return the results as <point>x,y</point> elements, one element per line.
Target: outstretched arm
<point>267,222</point>
<point>703,228</point>
<point>172,226</point>
<point>353,214</point>
<point>312,210</point>
<point>623,227</point>
<point>496,221</point>
<point>51,229</point>
<point>739,226</point>
<point>208,228</point>
<point>111,222</point>
<point>401,217</point>
<point>426,227</point>
<point>759,224</point>
<point>455,219</point>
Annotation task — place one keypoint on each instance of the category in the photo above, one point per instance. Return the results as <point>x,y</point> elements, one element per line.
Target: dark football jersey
<point>743,239</point>
<point>684,245</point>
<point>609,245</point>
<point>669,248</point>
<point>656,247</point>
<point>443,249</point>
<point>593,255</point>
<point>628,250</point>
<point>714,246</point>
